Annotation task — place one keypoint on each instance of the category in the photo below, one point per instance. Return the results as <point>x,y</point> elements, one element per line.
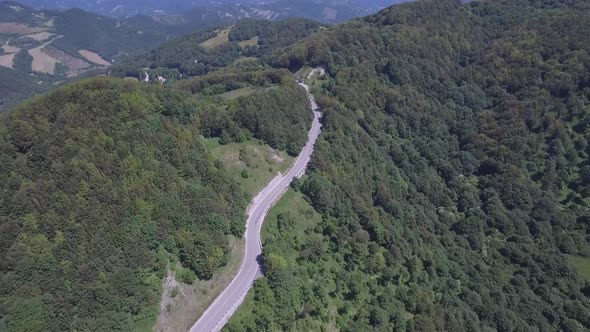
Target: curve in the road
<point>224,306</point>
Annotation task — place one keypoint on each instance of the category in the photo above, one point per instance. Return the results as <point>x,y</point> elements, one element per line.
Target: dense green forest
<point>451,182</point>
<point>452,175</point>
<point>105,182</point>
<point>186,55</point>
<point>16,87</point>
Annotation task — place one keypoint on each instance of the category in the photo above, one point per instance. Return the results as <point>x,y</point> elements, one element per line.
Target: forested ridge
<point>452,175</point>
<point>186,56</point>
<point>105,183</point>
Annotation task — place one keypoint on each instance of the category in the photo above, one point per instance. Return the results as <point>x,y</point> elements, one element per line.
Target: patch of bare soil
<point>49,23</point>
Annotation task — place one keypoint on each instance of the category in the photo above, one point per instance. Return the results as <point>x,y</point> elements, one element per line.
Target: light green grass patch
<point>245,59</point>
<point>250,42</point>
<point>238,93</point>
<point>294,204</point>
<point>582,265</point>
<point>210,143</point>
<point>289,225</point>
<point>221,38</point>
<point>261,163</point>
<point>242,92</point>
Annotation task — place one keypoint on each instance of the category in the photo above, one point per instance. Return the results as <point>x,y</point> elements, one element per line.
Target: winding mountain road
<point>224,306</point>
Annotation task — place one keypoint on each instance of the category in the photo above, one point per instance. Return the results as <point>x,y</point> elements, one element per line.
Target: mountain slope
<point>451,175</point>
<point>106,184</point>
<point>49,47</point>
<point>325,10</point>
<point>207,50</point>
<point>449,189</point>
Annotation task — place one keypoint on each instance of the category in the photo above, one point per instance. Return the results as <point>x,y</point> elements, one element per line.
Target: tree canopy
<point>451,175</point>
<point>106,181</point>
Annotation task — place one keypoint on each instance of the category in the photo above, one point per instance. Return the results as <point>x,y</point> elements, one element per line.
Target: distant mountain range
<point>323,10</point>
<point>40,48</point>
<point>47,42</point>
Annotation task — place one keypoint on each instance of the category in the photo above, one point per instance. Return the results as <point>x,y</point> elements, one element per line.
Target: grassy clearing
<point>245,59</point>
<point>582,265</point>
<point>294,204</point>
<point>246,91</point>
<point>260,162</point>
<point>13,28</point>
<point>250,42</point>
<point>221,38</point>
<point>40,36</point>
<point>181,310</point>
<point>94,58</point>
<point>238,93</point>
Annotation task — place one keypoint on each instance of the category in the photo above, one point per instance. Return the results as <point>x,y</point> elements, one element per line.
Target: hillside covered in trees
<point>106,182</point>
<point>40,49</point>
<point>452,175</point>
<point>208,50</point>
<point>449,189</point>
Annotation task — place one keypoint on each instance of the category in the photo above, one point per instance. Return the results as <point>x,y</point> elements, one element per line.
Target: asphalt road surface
<point>224,306</point>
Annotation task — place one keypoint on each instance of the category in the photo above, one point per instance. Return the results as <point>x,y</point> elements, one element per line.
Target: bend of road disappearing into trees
<point>224,306</point>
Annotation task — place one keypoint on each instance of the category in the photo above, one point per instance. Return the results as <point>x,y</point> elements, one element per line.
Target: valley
<point>46,47</point>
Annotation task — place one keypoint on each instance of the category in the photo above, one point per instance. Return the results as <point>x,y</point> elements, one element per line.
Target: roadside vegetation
<point>106,184</point>
<point>451,175</point>
<point>252,164</point>
<point>449,189</point>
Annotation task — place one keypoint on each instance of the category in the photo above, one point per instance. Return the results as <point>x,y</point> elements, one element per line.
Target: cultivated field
<point>75,65</point>
<point>10,49</point>
<point>94,58</point>
<point>39,36</point>
<point>42,62</point>
<point>13,28</point>
<point>7,60</point>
